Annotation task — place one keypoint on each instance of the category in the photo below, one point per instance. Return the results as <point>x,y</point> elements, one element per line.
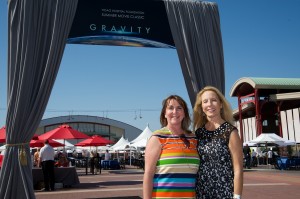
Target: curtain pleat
<point>38,31</point>
<point>195,27</point>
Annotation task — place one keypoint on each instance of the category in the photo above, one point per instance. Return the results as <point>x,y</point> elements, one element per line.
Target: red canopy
<point>63,132</point>
<point>2,134</point>
<point>95,140</point>
<point>40,143</point>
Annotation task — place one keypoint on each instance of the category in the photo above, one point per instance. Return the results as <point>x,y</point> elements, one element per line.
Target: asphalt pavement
<point>262,182</point>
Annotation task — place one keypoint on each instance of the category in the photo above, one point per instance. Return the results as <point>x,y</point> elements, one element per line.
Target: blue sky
<point>260,39</point>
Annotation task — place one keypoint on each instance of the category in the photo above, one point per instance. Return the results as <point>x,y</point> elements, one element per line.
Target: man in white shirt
<point>107,155</point>
<point>270,156</point>
<point>46,159</point>
<point>254,158</point>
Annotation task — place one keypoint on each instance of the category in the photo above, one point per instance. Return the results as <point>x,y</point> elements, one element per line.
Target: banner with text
<point>121,22</point>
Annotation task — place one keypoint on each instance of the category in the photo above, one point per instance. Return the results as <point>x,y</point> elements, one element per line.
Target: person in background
<point>247,155</point>
<point>270,156</point>
<point>36,157</point>
<point>171,158</point>
<point>220,174</point>
<point>93,156</point>
<point>254,158</point>
<point>62,161</point>
<point>46,159</point>
<point>107,155</point>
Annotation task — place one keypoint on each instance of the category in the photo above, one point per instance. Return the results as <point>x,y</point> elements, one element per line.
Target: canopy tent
<point>123,147</point>
<point>266,138</point>
<point>249,144</point>
<point>146,134</point>
<point>2,134</point>
<point>101,149</point>
<point>37,36</point>
<point>63,132</point>
<point>288,143</point>
<point>121,142</point>
<point>142,139</point>
<point>95,140</point>
<point>41,143</point>
<point>2,148</point>
<point>67,144</point>
<point>140,143</point>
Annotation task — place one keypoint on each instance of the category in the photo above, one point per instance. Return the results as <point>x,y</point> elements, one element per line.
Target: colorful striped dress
<point>176,169</point>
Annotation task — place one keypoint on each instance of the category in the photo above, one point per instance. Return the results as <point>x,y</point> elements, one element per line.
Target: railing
<point>285,163</point>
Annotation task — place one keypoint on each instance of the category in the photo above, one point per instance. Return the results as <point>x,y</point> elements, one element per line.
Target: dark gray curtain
<point>38,30</point>
<point>195,27</point>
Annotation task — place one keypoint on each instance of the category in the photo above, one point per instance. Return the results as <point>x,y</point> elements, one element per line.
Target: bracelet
<point>236,196</point>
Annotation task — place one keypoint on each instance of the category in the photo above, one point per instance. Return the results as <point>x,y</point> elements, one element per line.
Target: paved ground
<point>259,183</point>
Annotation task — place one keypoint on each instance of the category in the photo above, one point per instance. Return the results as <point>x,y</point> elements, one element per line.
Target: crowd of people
<point>254,158</point>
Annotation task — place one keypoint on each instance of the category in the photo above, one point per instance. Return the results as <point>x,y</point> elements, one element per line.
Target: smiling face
<point>211,104</point>
<point>174,113</point>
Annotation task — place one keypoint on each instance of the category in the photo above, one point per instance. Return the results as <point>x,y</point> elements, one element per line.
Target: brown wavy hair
<point>186,122</point>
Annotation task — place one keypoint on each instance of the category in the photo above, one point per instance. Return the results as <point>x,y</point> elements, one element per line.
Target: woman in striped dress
<point>171,157</point>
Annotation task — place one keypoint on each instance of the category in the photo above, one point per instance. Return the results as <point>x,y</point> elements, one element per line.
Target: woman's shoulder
<point>229,126</point>
<point>162,131</point>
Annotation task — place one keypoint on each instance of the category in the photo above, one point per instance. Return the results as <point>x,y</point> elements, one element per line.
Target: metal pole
<point>86,165</point>
<point>130,156</point>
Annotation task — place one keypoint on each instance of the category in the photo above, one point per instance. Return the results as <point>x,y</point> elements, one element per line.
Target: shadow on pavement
<point>129,197</point>
<point>107,184</point>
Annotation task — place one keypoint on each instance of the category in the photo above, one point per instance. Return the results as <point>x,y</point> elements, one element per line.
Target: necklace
<point>181,135</point>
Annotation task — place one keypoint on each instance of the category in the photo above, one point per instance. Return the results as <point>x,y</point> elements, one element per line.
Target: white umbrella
<point>249,144</point>
<point>268,138</point>
<point>288,142</point>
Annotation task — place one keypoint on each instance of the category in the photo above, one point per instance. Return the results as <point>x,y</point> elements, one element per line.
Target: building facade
<point>267,105</point>
<point>92,125</point>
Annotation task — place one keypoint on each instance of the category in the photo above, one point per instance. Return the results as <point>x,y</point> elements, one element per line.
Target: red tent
<point>40,143</point>
<point>95,140</point>
<point>63,132</point>
<point>2,134</point>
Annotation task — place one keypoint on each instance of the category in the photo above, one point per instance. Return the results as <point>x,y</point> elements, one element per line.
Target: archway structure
<point>265,104</point>
<point>191,27</point>
<point>37,35</point>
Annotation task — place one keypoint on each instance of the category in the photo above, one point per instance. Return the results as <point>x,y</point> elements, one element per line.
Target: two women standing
<point>173,168</point>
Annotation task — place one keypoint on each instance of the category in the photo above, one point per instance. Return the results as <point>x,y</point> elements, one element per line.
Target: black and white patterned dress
<point>215,175</point>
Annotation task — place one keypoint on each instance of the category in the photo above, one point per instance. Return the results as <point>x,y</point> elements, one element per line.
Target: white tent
<point>65,142</point>
<point>265,138</point>
<point>145,135</point>
<point>103,148</point>
<point>2,149</point>
<point>249,144</point>
<point>140,143</point>
<point>120,144</point>
<point>288,142</point>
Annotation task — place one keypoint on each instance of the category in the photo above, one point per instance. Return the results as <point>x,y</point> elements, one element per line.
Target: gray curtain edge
<point>37,37</point>
<point>195,27</point>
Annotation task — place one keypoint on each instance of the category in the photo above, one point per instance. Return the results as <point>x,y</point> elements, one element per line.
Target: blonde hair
<point>199,116</point>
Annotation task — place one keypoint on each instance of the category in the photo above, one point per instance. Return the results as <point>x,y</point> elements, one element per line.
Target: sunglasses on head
<point>185,140</point>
